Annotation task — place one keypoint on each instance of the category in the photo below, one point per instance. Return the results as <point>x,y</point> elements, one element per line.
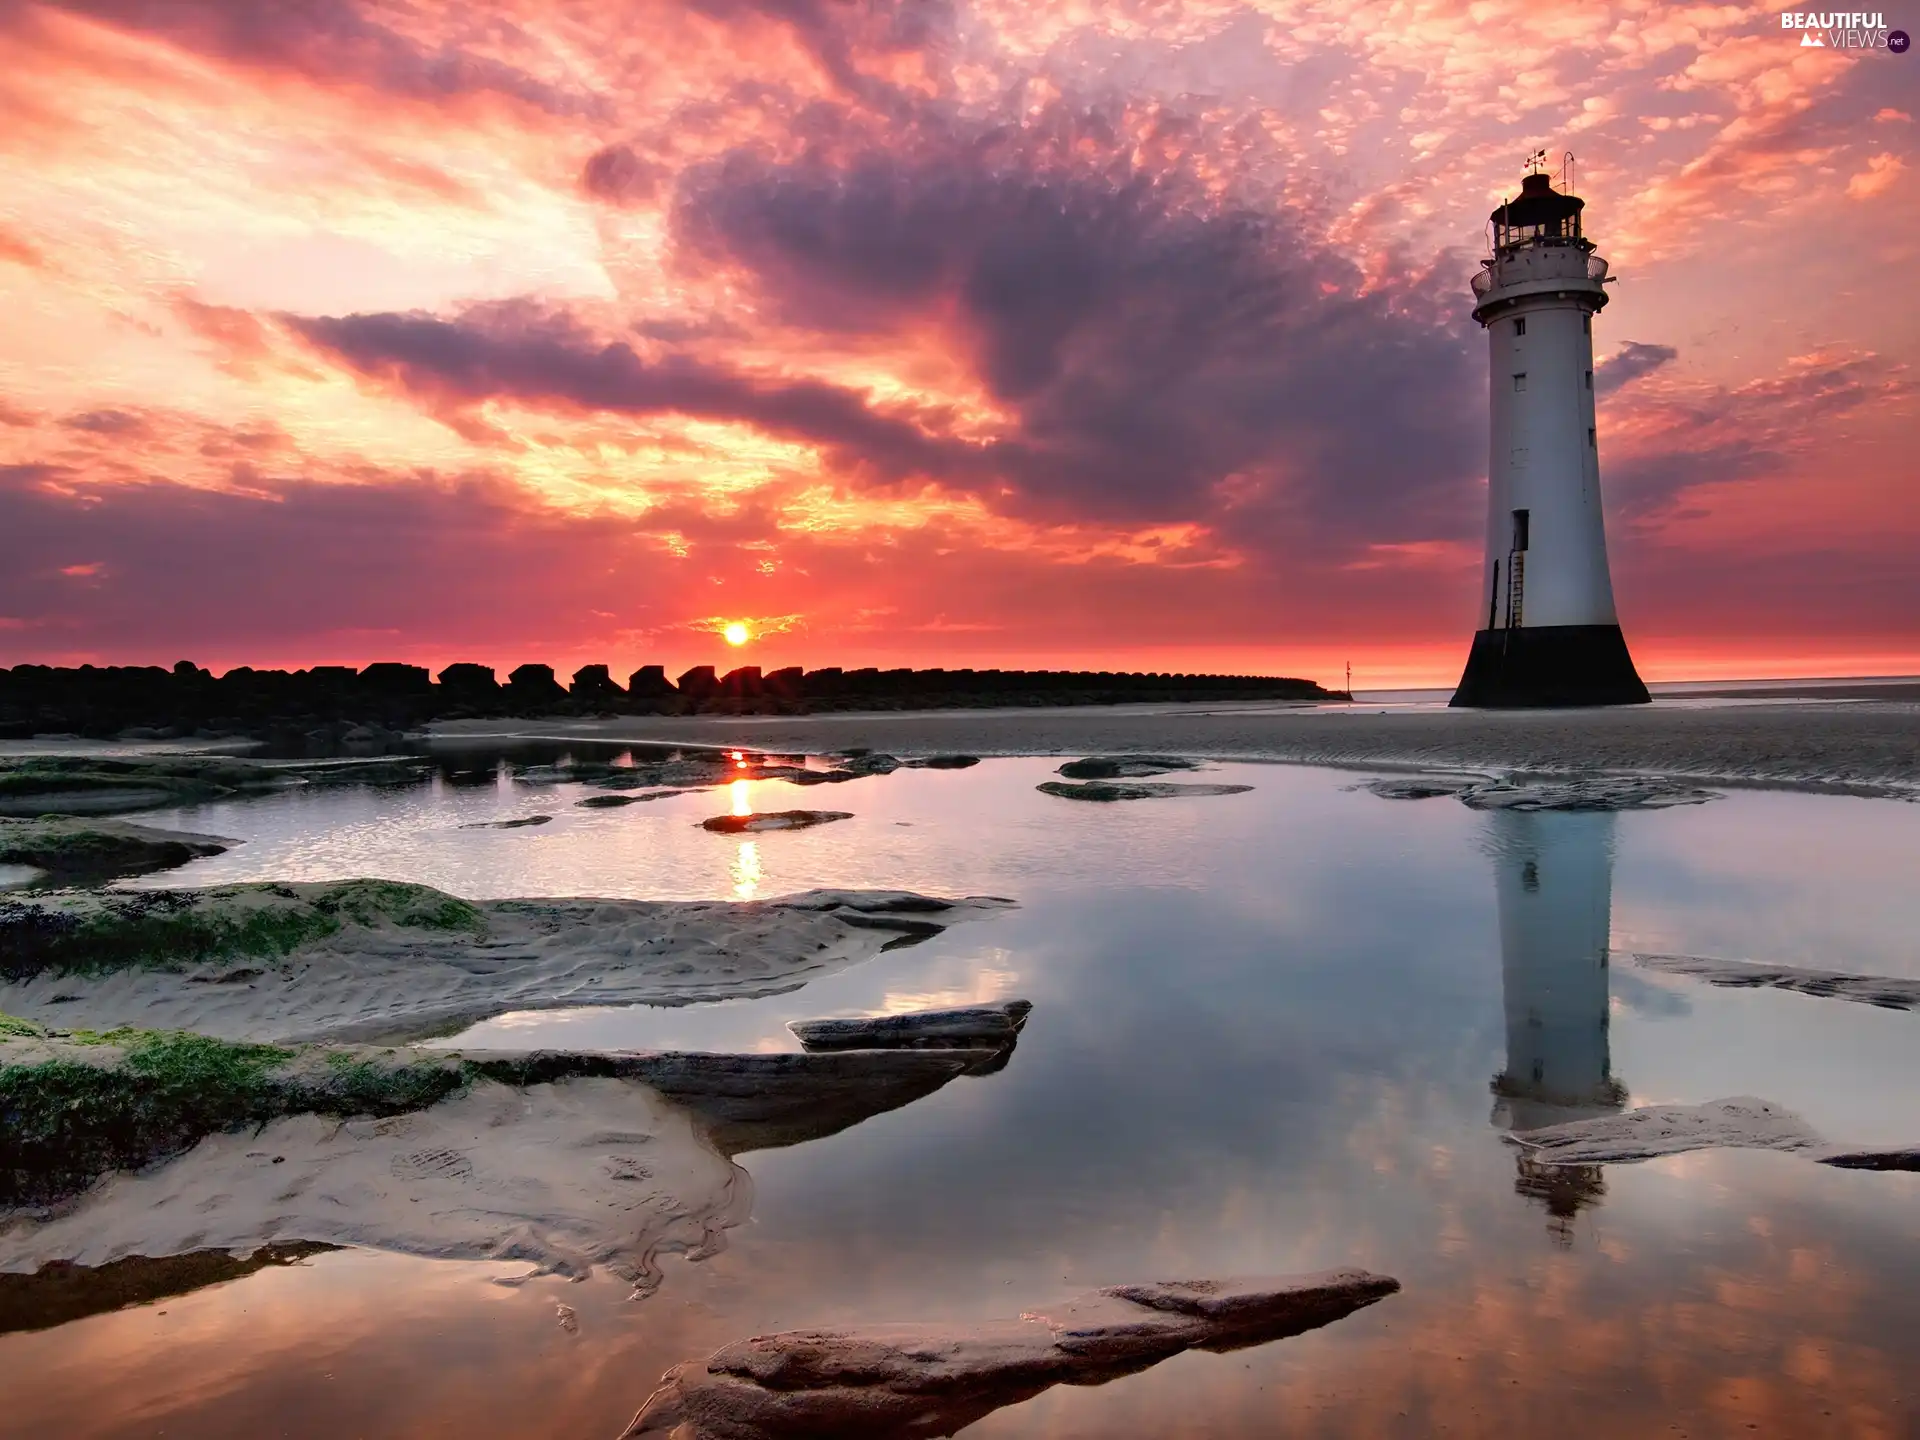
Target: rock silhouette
<point>897,1381</point>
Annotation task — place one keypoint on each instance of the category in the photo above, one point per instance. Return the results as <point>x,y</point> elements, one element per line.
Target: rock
<point>972,1027</point>
<point>1108,790</point>
<point>74,851</point>
<point>868,762</point>
<point>1420,787</point>
<point>614,802</point>
<point>898,1381</point>
<point>519,824</point>
<point>945,762</point>
<point>93,785</point>
<point>1599,792</point>
<point>79,1106</point>
<point>772,820</point>
<point>1116,767</point>
<point>376,959</point>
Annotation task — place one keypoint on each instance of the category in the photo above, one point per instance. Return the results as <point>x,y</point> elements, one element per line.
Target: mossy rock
<point>74,1105</point>
<point>85,851</point>
<point>45,784</point>
<point>99,931</point>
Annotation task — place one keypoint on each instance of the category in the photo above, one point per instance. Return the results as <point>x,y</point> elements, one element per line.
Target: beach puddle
<point>1294,1029</point>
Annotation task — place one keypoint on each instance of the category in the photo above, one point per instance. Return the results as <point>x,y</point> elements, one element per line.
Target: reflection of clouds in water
<point>1648,998</point>
<point>746,867</point>
<point>993,979</point>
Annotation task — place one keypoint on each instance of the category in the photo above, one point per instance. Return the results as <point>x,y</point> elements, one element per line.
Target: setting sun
<point>736,634</point>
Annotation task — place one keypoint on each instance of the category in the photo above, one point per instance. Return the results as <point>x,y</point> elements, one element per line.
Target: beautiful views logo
<point>1842,30</point>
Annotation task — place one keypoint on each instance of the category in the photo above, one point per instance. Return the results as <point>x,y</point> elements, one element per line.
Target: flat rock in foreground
<point>568,1160</point>
<point>376,959</point>
<point>1890,992</point>
<point>1124,767</point>
<point>772,820</point>
<point>1109,790</point>
<point>882,1382</point>
<point>1740,1122</point>
<point>970,1026</point>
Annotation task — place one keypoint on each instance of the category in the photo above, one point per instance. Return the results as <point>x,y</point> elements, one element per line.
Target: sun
<point>736,633</point>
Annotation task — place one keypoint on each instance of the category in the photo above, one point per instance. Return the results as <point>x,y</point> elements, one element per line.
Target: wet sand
<point>1860,746</point>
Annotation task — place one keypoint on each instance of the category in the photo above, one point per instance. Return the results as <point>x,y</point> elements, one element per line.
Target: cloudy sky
<point>1126,335</point>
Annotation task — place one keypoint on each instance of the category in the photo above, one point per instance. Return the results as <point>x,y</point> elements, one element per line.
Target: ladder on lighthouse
<point>1516,586</point>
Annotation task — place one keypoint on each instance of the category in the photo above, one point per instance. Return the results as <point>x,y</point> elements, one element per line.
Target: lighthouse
<point>1550,634</point>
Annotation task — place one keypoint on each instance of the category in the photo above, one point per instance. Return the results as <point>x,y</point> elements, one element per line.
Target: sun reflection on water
<point>742,792</point>
<point>746,868</point>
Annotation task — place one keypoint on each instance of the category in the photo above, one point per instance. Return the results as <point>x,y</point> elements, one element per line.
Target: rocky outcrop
<point>79,1104</point>
<point>772,820</point>
<point>615,802</point>
<point>71,851</point>
<point>376,959</point>
<point>988,1032</point>
<point>520,823</point>
<point>969,1027</point>
<point>899,1381</point>
<point>1421,787</point>
<point>1124,767</point>
<point>1110,790</point>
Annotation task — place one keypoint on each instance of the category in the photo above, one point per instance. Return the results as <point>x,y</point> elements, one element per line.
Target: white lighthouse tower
<point>1551,636</point>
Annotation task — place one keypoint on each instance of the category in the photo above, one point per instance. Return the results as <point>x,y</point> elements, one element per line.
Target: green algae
<point>99,932</point>
<point>69,1116</point>
<point>71,850</point>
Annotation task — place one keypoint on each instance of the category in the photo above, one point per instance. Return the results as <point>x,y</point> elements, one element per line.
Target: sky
<point>1131,335</point>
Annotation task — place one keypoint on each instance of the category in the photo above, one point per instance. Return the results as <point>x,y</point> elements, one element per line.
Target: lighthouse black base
<point>1549,666</point>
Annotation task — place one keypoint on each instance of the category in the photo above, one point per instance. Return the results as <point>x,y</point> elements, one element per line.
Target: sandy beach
<point>1860,746</point>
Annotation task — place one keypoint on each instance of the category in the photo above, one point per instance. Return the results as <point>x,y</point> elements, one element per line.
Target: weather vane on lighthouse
<point>1551,635</point>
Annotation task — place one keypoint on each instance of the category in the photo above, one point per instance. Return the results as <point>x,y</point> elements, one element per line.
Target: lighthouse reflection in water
<point>1554,880</point>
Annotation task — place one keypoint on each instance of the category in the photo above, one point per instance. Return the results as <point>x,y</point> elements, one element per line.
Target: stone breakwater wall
<point>156,702</point>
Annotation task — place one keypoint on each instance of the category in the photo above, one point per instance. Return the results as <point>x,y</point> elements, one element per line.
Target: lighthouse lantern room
<point>1550,636</point>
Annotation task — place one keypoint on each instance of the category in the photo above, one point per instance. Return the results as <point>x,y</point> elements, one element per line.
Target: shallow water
<point>1265,1037</point>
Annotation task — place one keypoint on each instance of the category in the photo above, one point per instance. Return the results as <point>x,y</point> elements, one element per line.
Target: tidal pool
<point>1285,1030</point>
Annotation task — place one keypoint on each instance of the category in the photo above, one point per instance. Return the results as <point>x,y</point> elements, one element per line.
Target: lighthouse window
<point>1589,379</point>
<point>1520,527</point>
<point>1592,443</point>
<point>1520,326</point>
<point>1520,381</point>
<point>1586,324</point>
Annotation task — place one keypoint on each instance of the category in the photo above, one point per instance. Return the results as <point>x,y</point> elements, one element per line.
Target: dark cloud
<point>292,562</point>
<point>840,35</point>
<point>120,423</point>
<point>620,177</point>
<point>330,40</point>
<point>539,357</point>
<point>1627,364</point>
<point>1691,437</point>
<point>1155,346</point>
